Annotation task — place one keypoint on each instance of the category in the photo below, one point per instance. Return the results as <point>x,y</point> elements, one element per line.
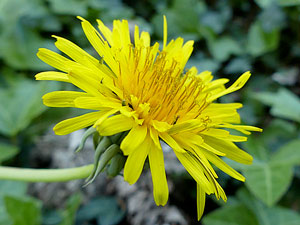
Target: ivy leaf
<point>11,188</point>
<point>264,3</point>
<point>76,8</point>
<point>288,154</point>
<point>267,215</point>
<point>183,17</point>
<point>224,47</point>
<point>19,36</point>
<point>23,211</point>
<point>104,209</point>
<point>238,65</point>
<point>261,42</point>
<point>284,103</point>
<point>268,181</point>
<point>19,47</point>
<point>21,103</point>
<point>69,213</point>
<point>289,2</point>
<point>7,152</point>
<point>235,214</point>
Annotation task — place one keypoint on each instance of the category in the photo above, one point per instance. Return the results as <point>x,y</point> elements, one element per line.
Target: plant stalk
<point>45,175</point>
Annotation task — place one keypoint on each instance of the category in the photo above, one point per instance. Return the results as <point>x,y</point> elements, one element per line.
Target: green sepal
<point>116,165</point>
<point>108,154</point>
<point>86,134</point>
<point>102,146</point>
<point>115,138</point>
<point>96,139</point>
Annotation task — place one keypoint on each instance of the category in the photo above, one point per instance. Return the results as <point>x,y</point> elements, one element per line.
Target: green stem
<point>45,175</point>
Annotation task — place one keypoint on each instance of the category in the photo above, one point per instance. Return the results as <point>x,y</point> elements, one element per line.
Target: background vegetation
<point>231,37</point>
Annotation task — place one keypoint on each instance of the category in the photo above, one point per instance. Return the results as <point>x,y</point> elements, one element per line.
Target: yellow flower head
<point>134,86</point>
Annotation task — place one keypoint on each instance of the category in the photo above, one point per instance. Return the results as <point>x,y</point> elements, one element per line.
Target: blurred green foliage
<point>231,37</point>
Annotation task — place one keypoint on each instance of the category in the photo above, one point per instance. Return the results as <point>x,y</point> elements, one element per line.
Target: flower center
<point>155,87</point>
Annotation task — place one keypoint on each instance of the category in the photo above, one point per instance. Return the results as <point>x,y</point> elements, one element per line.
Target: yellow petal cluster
<point>144,89</point>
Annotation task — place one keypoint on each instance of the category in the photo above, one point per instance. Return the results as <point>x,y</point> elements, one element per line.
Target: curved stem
<point>45,175</point>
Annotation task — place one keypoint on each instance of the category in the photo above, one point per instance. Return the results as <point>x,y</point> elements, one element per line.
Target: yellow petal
<point>223,166</point>
<point>220,192</point>
<point>55,60</point>
<point>115,124</point>
<point>145,39</point>
<point>195,169</point>
<point>52,75</point>
<point>99,45</point>
<point>96,103</point>
<point>161,126</point>
<point>155,137</point>
<point>86,84</point>
<point>191,138</point>
<point>73,51</point>
<point>211,149</point>
<point>171,142</point>
<point>206,76</point>
<point>216,84</point>
<point>135,162</point>
<point>134,138</point>
<point>223,134</point>
<point>242,128</point>
<point>82,57</point>
<point>230,149</point>
<point>158,173</point>
<point>197,151</point>
<point>185,126</point>
<point>238,84</point>
<point>69,125</point>
<point>105,31</point>
<point>105,116</point>
<point>165,32</point>
<point>62,98</point>
<point>200,201</point>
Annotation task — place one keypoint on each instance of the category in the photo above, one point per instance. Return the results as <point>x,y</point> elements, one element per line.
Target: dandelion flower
<point>144,89</point>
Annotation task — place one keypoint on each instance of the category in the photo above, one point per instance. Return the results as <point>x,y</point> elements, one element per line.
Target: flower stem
<point>45,175</point>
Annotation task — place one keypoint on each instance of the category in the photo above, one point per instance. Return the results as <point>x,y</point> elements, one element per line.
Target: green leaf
<point>224,47</point>
<point>19,47</point>
<point>288,154</point>
<point>183,17</point>
<point>236,214</point>
<point>264,3</point>
<point>23,211</point>
<point>265,215</point>
<point>256,148</point>
<point>7,152</point>
<point>284,103</point>
<point>217,20</point>
<point>75,7</point>
<point>19,37</point>
<point>105,209</point>
<point>72,206</point>
<point>15,188</point>
<point>203,63</point>
<point>268,181</point>
<point>267,3</point>
<point>272,18</point>
<point>9,188</point>
<point>282,216</point>
<point>21,103</point>
<point>12,14</point>
<point>238,65</point>
<point>289,2</point>
<point>286,76</point>
<point>261,42</point>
